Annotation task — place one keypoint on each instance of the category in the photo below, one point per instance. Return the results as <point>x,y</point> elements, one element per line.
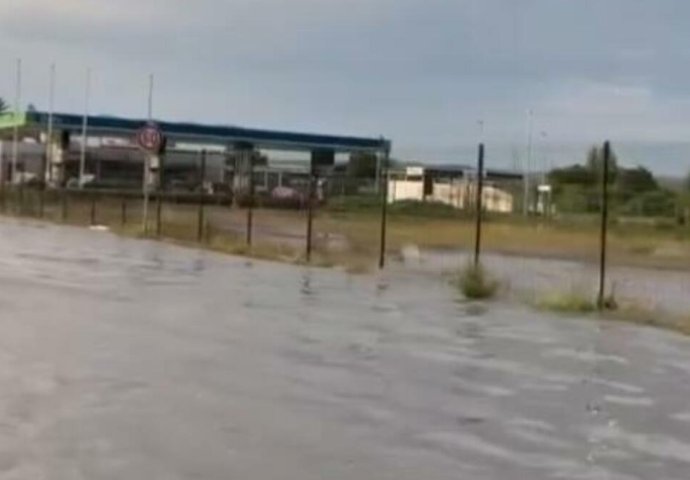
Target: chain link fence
<point>536,239</point>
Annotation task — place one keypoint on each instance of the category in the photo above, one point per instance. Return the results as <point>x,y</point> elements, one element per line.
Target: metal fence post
<point>200,218</point>
<point>384,210</point>
<point>601,300</point>
<point>123,211</point>
<point>160,194</point>
<point>145,194</point>
<point>63,205</point>
<point>310,211</point>
<point>42,186</point>
<point>93,209</point>
<point>250,208</point>
<point>159,212</point>
<point>479,204</point>
<point>41,200</point>
<point>22,208</point>
<point>3,185</point>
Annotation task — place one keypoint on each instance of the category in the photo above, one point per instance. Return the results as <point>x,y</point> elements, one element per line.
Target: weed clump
<point>475,283</point>
<point>568,302</point>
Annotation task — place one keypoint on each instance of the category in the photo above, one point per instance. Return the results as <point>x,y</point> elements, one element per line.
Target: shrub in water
<point>475,283</point>
<point>567,302</point>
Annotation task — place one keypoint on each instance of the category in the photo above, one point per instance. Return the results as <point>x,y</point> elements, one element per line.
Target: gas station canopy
<point>36,122</point>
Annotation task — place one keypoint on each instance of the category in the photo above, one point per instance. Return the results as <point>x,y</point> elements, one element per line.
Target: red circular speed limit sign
<point>150,138</point>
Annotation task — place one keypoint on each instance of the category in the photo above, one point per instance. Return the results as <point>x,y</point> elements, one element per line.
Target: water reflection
<point>306,288</point>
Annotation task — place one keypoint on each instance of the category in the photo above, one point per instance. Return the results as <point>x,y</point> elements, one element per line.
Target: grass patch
<point>476,284</point>
<point>425,209</point>
<point>615,310</point>
<point>357,220</point>
<point>355,204</point>
<point>636,313</point>
<point>569,302</point>
<point>371,204</point>
<point>259,250</point>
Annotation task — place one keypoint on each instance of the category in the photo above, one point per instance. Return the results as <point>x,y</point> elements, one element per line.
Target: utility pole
<point>544,157</point>
<point>47,175</point>
<point>480,124</point>
<point>528,165</point>
<point>147,161</point>
<point>150,99</point>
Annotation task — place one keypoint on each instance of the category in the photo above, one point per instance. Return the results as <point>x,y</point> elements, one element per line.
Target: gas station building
<point>49,149</point>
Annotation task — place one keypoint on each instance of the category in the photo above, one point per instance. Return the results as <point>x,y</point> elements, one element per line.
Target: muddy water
<point>123,359</point>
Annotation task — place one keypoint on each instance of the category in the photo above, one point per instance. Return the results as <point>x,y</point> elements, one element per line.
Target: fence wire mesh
<point>540,235</point>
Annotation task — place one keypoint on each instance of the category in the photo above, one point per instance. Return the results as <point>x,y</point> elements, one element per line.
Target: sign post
<point>151,140</point>
<point>322,162</point>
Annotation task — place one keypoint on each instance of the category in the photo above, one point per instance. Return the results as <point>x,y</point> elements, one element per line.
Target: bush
<point>475,283</point>
<point>661,203</point>
<point>570,302</point>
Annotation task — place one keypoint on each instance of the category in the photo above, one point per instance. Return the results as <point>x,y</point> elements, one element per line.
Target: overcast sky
<point>421,72</point>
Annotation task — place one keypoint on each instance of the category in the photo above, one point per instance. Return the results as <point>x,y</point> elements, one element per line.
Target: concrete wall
<point>399,190</point>
<point>460,195</point>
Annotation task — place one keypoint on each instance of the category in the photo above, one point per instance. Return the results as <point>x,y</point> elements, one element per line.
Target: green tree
<point>572,175</point>
<point>653,203</point>
<point>595,163</point>
<point>632,182</point>
<point>3,106</point>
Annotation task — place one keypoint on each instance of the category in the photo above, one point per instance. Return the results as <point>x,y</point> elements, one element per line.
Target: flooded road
<point>124,359</point>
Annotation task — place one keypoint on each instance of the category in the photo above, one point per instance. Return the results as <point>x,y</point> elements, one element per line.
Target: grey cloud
<point>419,71</point>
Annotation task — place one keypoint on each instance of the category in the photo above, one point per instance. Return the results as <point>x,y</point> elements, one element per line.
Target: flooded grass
<point>475,283</point>
<point>521,238</point>
<point>631,246</point>
<point>638,314</point>
<point>223,232</point>
<point>566,302</point>
<point>629,311</point>
<point>186,233</point>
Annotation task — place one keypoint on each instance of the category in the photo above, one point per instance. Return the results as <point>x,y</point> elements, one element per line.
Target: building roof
<point>193,132</point>
<point>458,170</point>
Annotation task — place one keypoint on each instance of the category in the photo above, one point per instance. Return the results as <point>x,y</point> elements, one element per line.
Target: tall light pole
<point>51,108</point>
<point>150,98</point>
<point>544,162</point>
<point>147,161</point>
<point>528,165</point>
<point>15,131</point>
<point>84,128</point>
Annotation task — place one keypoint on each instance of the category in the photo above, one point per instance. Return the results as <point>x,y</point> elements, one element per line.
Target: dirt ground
<point>353,238</point>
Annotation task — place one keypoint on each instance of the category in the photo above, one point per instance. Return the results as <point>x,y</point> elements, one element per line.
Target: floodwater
<point>665,290</point>
<point>124,359</point>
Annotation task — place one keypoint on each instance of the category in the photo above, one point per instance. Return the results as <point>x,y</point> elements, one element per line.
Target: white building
<point>451,185</point>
